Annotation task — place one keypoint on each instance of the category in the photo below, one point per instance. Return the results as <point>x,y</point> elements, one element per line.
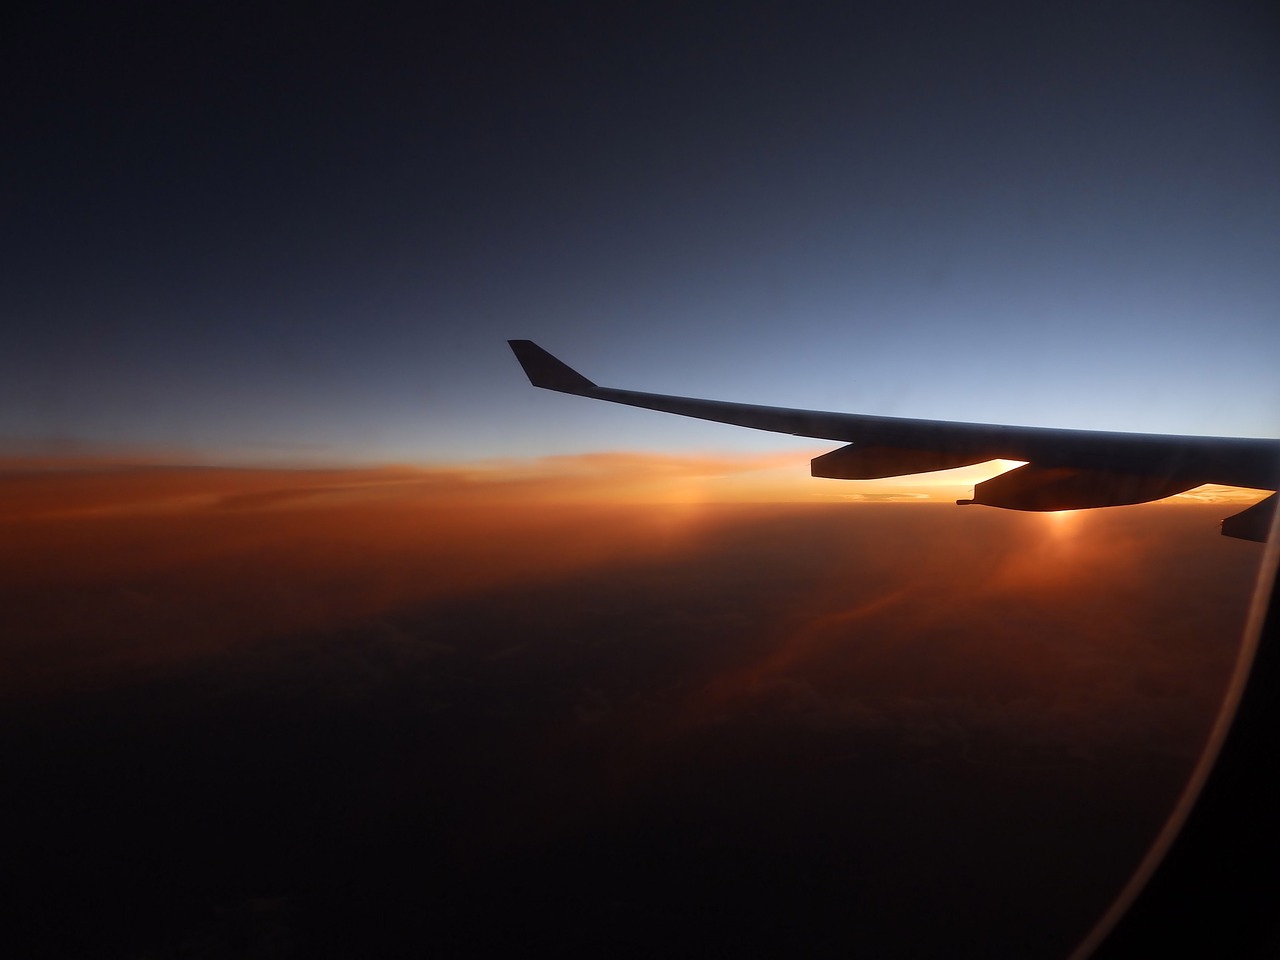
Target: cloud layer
<point>374,700</point>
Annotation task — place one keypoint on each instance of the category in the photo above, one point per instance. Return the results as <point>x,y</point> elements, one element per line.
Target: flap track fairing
<point>1033,487</point>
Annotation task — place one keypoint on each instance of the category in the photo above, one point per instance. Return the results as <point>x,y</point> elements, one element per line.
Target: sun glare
<point>1063,522</point>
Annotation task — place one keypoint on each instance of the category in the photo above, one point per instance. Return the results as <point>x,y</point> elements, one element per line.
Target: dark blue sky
<point>296,235</point>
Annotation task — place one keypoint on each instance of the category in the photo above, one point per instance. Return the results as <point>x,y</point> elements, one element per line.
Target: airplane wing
<point>1065,469</point>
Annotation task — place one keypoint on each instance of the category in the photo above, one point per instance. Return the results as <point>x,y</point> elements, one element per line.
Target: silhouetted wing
<point>1065,469</point>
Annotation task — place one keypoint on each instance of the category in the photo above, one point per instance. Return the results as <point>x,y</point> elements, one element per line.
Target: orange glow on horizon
<point>90,554</point>
<point>85,486</point>
<point>1062,521</point>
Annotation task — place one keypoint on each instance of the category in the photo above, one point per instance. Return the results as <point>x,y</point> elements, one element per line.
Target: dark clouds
<point>350,723</point>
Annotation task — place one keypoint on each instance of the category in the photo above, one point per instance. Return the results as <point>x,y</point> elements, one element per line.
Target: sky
<point>288,235</point>
<point>322,631</point>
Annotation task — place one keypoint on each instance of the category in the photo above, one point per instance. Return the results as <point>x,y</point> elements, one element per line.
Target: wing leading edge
<point>1065,469</point>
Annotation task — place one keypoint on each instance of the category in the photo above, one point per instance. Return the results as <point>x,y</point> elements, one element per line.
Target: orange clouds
<point>106,567</point>
<point>577,661</point>
<point>1135,614</point>
<point>632,477</point>
<point>100,567</point>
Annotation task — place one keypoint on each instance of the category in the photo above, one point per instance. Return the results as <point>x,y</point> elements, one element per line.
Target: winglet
<point>544,370</point>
